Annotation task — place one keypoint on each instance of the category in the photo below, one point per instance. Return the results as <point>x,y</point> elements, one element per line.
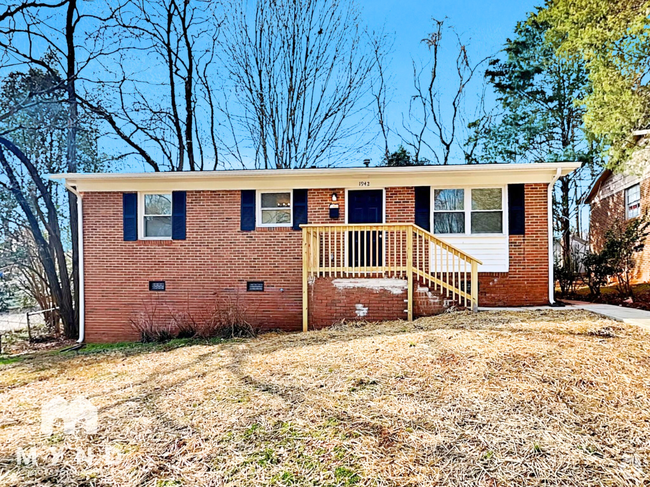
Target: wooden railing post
<point>409,270</point>
<point>305,284</point>
<point>474,286</point>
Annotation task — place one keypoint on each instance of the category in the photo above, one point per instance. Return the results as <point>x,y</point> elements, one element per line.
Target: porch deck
<point>392,250</point>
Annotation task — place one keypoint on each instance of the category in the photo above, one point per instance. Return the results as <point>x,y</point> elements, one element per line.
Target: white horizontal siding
<point>491,250</point>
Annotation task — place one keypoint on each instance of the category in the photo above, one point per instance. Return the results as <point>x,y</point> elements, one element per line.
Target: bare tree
<point>49,245</point>
<point>63,28</point>
<point>300,74</point>
<point>380,87</point>
<point>431,129</point>
<point>477,124</point>
<point>160,110</point>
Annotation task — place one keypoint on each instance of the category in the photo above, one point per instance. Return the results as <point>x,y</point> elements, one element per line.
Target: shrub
<point>6,293</point>
<point>184,323</point>
<point>622,242</point>
<point>152,325</point>
<point>567,276</point>
<point>596,271</point>
<point>228,320</point>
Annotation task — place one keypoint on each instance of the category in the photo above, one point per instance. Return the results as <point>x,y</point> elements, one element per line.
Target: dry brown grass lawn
<point>493,399</point>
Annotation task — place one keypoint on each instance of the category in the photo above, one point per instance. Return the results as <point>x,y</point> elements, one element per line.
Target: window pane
<point>276,216</point>
<point>448,222</point>
<point>157,204</point>
<point>633,193</point>
<point>276,200</point>
<point>157,226</point>
<point>487,222</point>
<point>632,201</point>
<point>486,199</point>
<point>449,199</point>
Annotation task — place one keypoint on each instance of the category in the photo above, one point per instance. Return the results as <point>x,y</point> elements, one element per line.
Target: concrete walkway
<point>631,316</point>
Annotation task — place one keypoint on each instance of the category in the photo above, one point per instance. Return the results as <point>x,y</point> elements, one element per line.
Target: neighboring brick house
<point>183,240</point>
<point>618,197</point>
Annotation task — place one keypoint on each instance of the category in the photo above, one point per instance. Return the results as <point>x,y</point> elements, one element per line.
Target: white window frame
<point>258,208</point>
<point>627,202</point>
<point>433,210</point>
<point>141,215</point>
<point>468,224</point>
<point>468,211</point>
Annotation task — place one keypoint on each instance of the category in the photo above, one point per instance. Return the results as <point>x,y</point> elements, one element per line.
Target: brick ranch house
<point>617,197</point>
<point>306,248</point>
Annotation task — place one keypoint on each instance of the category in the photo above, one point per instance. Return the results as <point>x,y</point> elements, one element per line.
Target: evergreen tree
<point>540,119</point>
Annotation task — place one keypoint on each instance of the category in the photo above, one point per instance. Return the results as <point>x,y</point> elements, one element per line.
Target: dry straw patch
<point>493,399</point>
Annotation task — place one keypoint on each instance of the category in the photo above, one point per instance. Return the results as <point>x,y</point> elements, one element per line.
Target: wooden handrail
<point>379,226</point>
<point>402,250</point>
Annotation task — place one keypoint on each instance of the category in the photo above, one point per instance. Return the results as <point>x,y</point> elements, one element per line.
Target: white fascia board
<point>382,177</point>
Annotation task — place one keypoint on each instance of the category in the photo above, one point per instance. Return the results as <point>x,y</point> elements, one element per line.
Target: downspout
<point>551,276</point>
<point>80,221</point>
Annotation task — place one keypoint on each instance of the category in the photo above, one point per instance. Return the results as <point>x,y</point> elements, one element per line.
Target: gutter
<point>82,293</point>
<point>551,276</point>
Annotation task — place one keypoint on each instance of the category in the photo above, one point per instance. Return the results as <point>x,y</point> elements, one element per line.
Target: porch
<point>388,251</point>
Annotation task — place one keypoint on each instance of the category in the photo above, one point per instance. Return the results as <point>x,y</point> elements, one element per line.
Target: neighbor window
<point>448,211</point>
<point>633,201</point>
<point>157,216</point>
<point>487,210</point>
<point>275,209</point>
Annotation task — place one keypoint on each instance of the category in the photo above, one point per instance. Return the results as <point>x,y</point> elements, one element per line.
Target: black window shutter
<point>179,203</point>
<point>423,207</point>
<point>299,208</point>
<point>248,210</point>
<point>130,216</point>
<point>516,209</point>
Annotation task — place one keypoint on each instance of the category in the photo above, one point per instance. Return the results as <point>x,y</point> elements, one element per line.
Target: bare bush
<point>152,325</point>
<point>229,319</point>
<point>184,323</point>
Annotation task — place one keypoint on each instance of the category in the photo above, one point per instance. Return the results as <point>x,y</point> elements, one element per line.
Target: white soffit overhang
<point>374,177</point>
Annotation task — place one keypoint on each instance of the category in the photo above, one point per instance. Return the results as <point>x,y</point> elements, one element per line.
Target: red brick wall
<point>217,259</point>
<point>400,205</point>
<point>526,283</point>
<point>611,210</point>
<point>329,304</point>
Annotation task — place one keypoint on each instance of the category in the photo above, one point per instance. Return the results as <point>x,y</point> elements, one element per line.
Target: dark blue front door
<point>365,248</point>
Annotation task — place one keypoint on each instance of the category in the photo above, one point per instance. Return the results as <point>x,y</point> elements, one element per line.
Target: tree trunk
<point>59,283</point>
<point>60,289</point>
<point>565,221</point>
<point>72,149</point>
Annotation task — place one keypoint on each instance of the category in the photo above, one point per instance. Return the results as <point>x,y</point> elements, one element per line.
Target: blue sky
<point>486,24</point>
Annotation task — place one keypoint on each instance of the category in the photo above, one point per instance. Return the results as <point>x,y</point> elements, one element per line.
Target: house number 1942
<point>364,184</point>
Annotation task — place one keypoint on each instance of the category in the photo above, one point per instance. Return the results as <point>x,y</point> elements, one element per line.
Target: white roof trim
<point>441,176</point>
